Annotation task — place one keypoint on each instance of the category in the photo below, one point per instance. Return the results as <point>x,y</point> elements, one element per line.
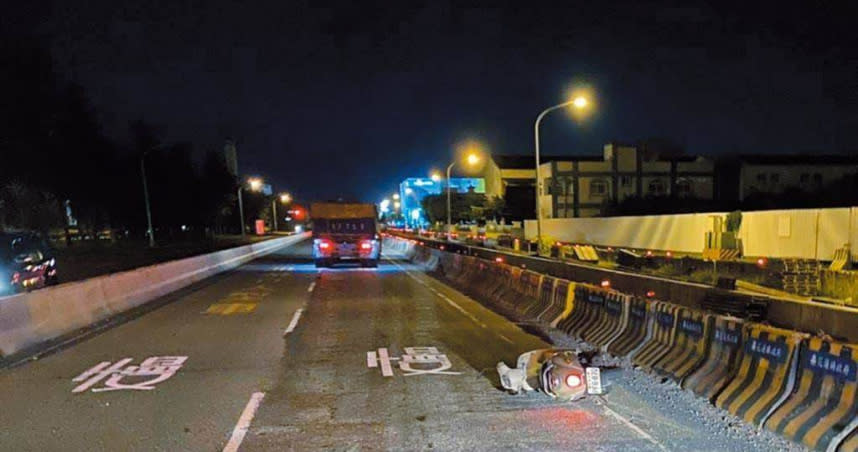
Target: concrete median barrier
<point>529,284</point>
<point>634,333</point>
<point>661,336</point>
<point>722,359</point>
<point>28,319</point>
<point>511,290</point>
<point>690,346</point>
<point>766,373</point>
<point>824,402</point>
<point>611,320</point>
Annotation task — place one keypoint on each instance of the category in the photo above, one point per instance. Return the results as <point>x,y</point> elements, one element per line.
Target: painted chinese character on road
<point>120,376</point>
<point>415,361</point>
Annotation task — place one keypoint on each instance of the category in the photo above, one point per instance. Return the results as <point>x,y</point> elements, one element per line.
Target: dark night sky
<point>348,98</point>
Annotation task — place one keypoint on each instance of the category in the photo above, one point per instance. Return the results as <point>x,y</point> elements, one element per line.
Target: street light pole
<point>576,102</point>
<point>449,219</point>
<point>241,210</point>
<point>151,230</point>
<point>274,213</point>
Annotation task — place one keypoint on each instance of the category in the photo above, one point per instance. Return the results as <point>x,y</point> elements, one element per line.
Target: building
<point>774,174</point>
<point>577,186</point>
<point>414,189</point>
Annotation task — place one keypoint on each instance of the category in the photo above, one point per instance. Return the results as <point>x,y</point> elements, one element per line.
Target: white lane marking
<point>386,370</point>
<point>634,427</point>
<point>294,321</point>
<point>506,339</point>
<point>371,359</point>
<point>312,286</point>
<point>244,422</point>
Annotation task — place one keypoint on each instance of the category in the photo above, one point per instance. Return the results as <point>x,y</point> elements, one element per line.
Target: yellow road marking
<point>231,308</point>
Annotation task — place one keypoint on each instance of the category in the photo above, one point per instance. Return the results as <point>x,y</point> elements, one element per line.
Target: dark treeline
<point>55,153</point>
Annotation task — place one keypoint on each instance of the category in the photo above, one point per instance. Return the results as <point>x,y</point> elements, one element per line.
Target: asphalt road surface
<point>280,356</point>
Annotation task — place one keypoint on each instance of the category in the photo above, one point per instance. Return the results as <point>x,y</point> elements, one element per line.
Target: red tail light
<point>324,245</point>
<point>366,246</point>
<point>573,380</point>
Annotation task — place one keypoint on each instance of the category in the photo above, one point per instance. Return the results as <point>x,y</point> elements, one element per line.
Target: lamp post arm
<point>538,184</point>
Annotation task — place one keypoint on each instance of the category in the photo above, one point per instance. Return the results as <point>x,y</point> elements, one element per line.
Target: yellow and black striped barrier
<point>690,346</point>
<point>580,307</point>
<point>559,296</point>
<point>766,373</point>
<point>722,359</point>
<point>635,330</point>
<point>611,320</point>
<point>566,300</point>
<point>850,444</point>
<point>530,282</point>
<point>661,337</point>
<point>590,299</point>
<point>543,299</point>
<point>823,403</point>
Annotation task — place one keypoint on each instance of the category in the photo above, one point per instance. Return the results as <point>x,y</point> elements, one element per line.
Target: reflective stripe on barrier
<point>722,359</point>
<point>823,402</point>
<point>690,345</point>
<point>766,373</point>
<point>544,300</point>
<point>612,320</point>
<point>663,329</point>
<point>566,299</point>
<point>559,296</point>
<point>635,331</point>
<point>850,444</point>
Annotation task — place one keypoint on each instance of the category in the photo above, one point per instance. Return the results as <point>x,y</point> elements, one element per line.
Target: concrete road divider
<point>766,373</point>
<point>30,318</point>
<point>722,359</point>
<point>690,346</point>
<point>850,444</point>
<point>501,274</point>
<point>569,303</point>
<point>560,296</point>
<point>661,337</point>
<point>824,401</point>
<point>634,333</point>
<point>511,292</point>
<point>611,320</point>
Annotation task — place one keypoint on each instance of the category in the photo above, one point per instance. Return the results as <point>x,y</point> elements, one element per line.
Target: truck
<point>345,232</point>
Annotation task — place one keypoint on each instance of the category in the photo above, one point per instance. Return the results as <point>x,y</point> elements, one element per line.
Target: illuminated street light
<point>255,184</point>
<point>396,205</point>
<point>579,102</point>
<point>472,159</point>
<point>436,176</point>
<point>396,196</point>
<point>285,198</point>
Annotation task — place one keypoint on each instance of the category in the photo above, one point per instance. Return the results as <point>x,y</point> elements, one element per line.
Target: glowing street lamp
<point>472,159</point>
<point>255,184</point>
<point>396,196</point>
<point>578,102</point>
<point>436,176</point>
<point>285,198</point>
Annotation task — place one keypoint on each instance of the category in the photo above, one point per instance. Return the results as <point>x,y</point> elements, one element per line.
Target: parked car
<point>26,262</point>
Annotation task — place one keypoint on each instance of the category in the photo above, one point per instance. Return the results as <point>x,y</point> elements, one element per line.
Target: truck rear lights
<point>325,245</point>
<point>366,246</point>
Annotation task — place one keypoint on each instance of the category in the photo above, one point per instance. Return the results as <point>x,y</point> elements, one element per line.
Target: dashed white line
<point>634,427</point>
<point>294,321</point>
<point>312,286</point>
<point>371,359</point>
<point>243,424</point>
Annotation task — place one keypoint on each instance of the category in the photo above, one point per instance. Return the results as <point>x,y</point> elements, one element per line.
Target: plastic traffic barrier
<point>611,320</point>
<point>690,345</point>
<point>661,337</point>
<point>634,332</point>
<point>722,358</point>
<point>588,305</point>
<point>823,402</point>
<point>560,299</point>
<point>529,290</point>
<point>544,299</point>
<point>766,373</point>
